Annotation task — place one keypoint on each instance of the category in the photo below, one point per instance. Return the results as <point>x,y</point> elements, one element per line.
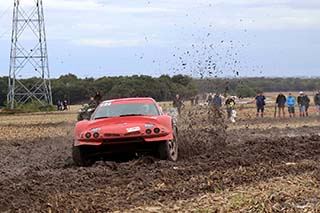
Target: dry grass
<point>34,126</point>
<point>283,194</point>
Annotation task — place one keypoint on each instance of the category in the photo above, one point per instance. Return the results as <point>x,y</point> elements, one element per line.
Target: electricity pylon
<point>28,57</point>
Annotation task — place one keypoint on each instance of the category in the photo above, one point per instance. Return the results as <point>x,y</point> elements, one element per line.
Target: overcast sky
<point>154,37</point>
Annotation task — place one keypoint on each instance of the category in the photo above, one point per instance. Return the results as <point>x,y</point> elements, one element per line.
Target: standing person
<point>260,104</point>
<point>177,103</point>
<point>192,100</point>
<point>317,102</point>
<point>291,102</point>
<point>230,103</point>
<point>217,101</point>
<point>65,105</point>
<point>196,100</point>
<point>307,99</point>
<point>303,101</point>
<point>97,98</point>
<point>209,99</point>
<point>59,105</point>
<point>280,102</point>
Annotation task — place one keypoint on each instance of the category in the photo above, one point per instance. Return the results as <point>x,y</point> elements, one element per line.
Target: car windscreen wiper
<point>126,115</point>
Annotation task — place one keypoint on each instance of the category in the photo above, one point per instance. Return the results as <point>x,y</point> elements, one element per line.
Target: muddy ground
<point>37,174</point>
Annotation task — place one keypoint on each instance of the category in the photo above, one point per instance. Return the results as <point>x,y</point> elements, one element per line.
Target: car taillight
<point>148,131</point>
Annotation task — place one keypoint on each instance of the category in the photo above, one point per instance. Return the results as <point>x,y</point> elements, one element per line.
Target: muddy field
<point>254,165</point>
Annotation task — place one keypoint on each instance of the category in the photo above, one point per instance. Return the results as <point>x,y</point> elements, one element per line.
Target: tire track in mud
<point>39,175</point>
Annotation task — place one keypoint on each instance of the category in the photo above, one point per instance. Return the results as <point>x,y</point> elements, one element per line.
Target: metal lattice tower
<point>28,57</point>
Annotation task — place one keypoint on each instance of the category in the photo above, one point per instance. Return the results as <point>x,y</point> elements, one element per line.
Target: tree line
<point>78,90</point>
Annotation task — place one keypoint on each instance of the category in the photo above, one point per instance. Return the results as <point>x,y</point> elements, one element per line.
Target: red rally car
<point>122,127</point>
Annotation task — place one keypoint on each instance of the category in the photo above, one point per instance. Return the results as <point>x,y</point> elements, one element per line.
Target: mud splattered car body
<point>122,127</point>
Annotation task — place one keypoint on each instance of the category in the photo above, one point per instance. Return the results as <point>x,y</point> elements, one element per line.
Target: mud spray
<point>202,130</point>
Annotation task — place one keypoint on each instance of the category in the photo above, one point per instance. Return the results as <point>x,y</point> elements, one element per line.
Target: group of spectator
<point>303,102</point>
<point>93,102</point>
<point>217,101</point>
<point>62,105</point>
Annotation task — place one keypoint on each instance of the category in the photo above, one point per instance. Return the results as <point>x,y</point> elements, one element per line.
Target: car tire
<point>80,156</point>
<point>168,150</point>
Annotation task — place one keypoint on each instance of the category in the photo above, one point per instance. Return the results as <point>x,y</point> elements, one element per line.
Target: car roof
<point>131,100</point>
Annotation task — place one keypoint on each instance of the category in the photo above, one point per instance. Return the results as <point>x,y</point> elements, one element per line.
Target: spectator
<point>65,105</point>
<point>280,102</point>
<point>92,103</point>
<point>230,103</point>
<point>209,99</point>
<point>303,101</point>
<point>291,102</point>
<point>217,101</point>
<point>196,101</point>
<point>98,98</point>
<point>177,103</point>
<point>192,100</point>
<point>59,105</point>
<point>260,104</point>
<point>317,102</point>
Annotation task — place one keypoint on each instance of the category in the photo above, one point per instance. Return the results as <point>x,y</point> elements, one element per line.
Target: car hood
<point>123,125</point>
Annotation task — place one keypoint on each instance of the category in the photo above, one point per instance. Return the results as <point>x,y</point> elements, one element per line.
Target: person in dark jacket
<point>317,102</point>
<point>303,102</point>
<point>59,105</point>
<point>217,101</point>
<point>260,104</point>
<point>281,102</point>
<point>65,105</point>
<point>98,98</point>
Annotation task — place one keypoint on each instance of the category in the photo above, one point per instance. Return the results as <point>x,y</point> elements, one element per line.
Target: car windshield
<point>121,110</point>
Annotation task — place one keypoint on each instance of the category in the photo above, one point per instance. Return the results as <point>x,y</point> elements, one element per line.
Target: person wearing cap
<point>317,102</point>
<point>303,102</point>
<point>291,102</point>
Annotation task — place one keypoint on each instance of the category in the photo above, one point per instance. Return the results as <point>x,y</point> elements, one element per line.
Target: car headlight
<point>88,135</point>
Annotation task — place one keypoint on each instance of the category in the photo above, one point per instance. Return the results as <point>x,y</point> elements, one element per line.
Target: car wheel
<point>80,156</point>
<point>168,150</point>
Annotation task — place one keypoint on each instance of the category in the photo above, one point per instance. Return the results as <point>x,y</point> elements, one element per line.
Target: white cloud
<point>105,43</point>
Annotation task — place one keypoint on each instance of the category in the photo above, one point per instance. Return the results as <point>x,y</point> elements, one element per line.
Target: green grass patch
<point>28,107</point>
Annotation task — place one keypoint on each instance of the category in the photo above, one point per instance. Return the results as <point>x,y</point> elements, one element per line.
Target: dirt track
<point>38,174</point>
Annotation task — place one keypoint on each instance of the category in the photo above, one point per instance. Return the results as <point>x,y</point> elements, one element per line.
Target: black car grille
<point>111,135</point>
<point>124,140</point>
